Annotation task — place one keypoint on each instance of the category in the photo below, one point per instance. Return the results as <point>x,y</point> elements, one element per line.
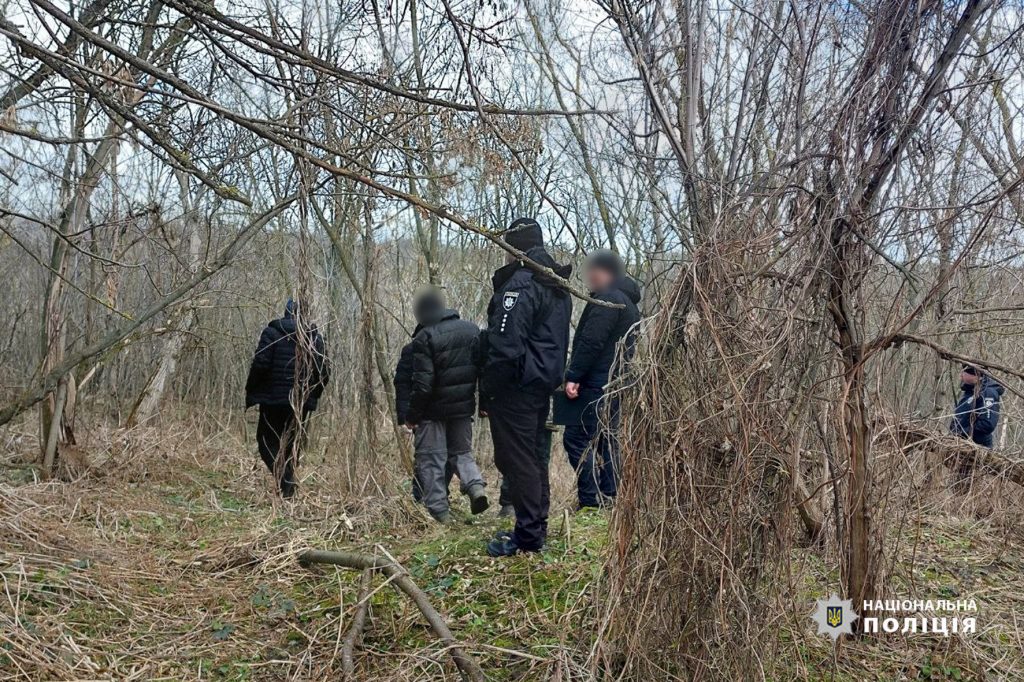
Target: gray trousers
<point>438,443</point>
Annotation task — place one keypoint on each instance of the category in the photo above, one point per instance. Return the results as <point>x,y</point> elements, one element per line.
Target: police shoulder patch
<point>509,300</point>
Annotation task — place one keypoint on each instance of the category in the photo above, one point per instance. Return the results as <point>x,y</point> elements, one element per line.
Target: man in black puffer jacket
<point>290,367</point>
<point>442,403</point>
<point>403,390</point>
<point>594,451</point>
<point>527,340</point>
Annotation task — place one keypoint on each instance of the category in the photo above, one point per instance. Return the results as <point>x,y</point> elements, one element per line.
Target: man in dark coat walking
<point>442,403</point>
<point>594,451</point>
<point>527,340</point>
<point>290,369</point>
<point>976,414</point>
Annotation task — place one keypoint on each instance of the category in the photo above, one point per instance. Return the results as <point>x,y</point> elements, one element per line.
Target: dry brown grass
<point>166,559</point>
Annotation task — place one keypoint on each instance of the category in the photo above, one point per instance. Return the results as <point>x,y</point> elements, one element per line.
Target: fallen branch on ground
<point>466,664</point>
<point>355,632</point>
<point>957,452</point>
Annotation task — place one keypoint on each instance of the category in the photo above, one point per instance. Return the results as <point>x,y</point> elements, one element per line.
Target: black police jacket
<point>527,329</point>
<point>976,414</point>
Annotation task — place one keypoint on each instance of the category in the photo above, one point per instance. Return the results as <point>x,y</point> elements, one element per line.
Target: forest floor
<point>171,560</point>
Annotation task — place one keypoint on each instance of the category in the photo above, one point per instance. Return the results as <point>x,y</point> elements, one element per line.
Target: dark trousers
<point>543,460</point>
<point>517,430</point>
<point>278,443</point>
<point>593,451</point>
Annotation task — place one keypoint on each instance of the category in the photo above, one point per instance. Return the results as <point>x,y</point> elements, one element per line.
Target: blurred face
<point>598,279</point>
<point>966,378</point>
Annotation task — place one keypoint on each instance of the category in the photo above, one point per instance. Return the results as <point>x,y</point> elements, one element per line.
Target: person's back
<point>442,403</point>
<point>286,352</point>
<point>444,371</point>
<point>528,328</point>
<point>272,372</point>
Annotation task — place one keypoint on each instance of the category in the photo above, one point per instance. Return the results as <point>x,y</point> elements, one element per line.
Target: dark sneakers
<point>478,503</point>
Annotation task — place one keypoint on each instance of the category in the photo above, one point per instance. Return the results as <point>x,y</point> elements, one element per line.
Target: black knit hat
<point>972,370</point>
<point>606,260</point>
<point>524,234</point>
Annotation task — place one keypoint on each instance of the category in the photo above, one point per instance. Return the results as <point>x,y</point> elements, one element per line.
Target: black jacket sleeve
<point>508,328</point>
<point>262,361</point>
<point>403,384</point>
<point>481,360</point>
<point>422,385</point>
<point>592,336</point>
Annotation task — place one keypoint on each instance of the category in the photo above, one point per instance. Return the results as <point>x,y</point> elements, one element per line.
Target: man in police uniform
<point>527,341</point>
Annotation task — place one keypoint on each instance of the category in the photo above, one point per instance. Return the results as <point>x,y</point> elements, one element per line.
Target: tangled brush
<point>701,514</point>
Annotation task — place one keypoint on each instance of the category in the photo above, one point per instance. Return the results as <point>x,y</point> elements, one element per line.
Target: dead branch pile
<point>960,455</point>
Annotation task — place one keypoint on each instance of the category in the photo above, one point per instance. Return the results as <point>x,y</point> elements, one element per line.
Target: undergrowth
<point>183,567</point>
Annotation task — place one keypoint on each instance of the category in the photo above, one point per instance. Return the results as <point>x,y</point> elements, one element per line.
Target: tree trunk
<point>178,324</point>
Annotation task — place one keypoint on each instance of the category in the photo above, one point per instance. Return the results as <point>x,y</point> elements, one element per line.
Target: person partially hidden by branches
<point>290,368</point>
<point>976,414</point>
<point>592,447</point>
<point>441,405</point>
<point>527,341</point>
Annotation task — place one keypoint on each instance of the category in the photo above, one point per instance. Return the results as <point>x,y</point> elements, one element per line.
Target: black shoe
<point>288,490</point>
<point>502,547</point>
<point>507,511</point>
<point>478,503</point>
<point>503,535</point>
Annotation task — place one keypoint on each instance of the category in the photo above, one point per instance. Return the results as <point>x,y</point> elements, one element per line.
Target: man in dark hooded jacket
<point>593,451</point>
<point>290,368</point>
<point>527,340</point>
<point>976,414</point>
<point>442,403</point>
